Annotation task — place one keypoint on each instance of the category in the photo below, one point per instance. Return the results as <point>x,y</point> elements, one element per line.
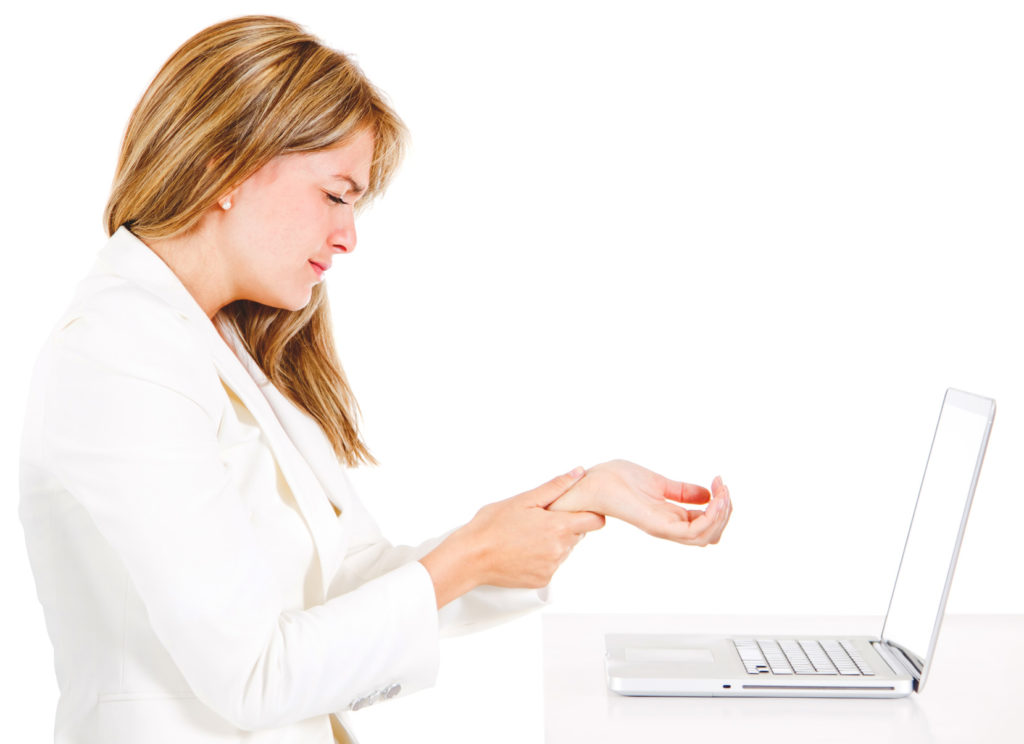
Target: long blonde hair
<point>233,97</point>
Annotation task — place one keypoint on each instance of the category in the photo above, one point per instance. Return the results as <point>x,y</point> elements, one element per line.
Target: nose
<point>343,235</point>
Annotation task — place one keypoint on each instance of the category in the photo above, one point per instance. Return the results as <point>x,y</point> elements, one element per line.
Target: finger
<point>543,495</point>
<point>719,491</point>
<point>719,506</point>
<point>723,499</point>
<point>705,526</point>
<point>582,522</point>
<point>721,517</point>
<point>694,494</point>
<point>716,534</point>
<point>717,485</point>
<point>687,493</point>
<point>724,520</point>
<point>688,532</point>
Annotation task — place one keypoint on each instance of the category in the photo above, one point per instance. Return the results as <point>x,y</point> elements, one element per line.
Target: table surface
<point>974,691</point>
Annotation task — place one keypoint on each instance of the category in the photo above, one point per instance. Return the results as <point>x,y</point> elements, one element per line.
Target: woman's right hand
<point>516,542</point>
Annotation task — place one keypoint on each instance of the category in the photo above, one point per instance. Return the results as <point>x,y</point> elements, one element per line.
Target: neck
<point>197,263</point>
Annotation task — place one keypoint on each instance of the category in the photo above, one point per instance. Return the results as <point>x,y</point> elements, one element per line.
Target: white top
<point>196,583</point>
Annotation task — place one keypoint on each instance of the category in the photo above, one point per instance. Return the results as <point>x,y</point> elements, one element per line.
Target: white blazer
<point>196,583</point>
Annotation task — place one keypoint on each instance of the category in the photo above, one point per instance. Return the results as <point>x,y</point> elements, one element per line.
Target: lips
<point>319,268</point>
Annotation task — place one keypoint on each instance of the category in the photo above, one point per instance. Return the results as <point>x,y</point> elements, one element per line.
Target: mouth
<point>319,268</point>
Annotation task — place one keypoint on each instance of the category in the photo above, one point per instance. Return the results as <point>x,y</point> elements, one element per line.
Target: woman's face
<point>290,219</point>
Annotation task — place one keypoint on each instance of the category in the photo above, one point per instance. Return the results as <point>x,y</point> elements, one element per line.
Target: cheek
<point>294,233</point>
<point>273,238</point>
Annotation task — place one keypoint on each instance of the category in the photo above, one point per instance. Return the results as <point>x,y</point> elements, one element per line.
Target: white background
<point>749,238</point>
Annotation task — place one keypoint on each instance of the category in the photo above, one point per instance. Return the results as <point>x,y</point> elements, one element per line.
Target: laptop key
<point>837,654</point>
<point>776,659</point>
<point>822,664</point>
<point>862,665</point>
<point>811,657</point>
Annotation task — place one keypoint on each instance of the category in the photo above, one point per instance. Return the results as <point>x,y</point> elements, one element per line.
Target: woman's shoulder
<point>115,326</point>
<point>113,311</point>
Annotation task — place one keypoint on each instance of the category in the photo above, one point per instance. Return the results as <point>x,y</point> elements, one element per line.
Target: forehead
<point>350,160</point>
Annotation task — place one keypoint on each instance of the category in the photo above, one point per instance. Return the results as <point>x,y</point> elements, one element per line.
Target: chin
<point>296,306</point>
<point>292,304</point>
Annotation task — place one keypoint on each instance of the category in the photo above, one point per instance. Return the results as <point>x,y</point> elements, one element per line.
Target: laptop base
<point>677,665</point>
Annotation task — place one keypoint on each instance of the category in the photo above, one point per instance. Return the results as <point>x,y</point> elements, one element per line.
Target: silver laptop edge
<point>976,404</point>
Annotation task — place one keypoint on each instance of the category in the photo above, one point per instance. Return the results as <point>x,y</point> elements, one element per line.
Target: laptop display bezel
<point>977,405</point>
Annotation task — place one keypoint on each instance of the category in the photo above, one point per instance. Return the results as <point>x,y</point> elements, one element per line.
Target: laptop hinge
<point>900,659</point>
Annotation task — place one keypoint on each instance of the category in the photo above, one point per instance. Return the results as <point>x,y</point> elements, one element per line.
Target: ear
<point>226,200</point>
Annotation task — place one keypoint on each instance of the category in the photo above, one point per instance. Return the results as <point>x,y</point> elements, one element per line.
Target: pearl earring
<point>225,205</point>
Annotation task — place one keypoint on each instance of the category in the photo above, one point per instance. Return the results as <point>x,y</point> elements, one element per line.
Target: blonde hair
<point>233,97</point>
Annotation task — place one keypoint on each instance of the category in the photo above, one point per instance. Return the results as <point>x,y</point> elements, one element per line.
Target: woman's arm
<point>517,542</point>
<point>521,541</point>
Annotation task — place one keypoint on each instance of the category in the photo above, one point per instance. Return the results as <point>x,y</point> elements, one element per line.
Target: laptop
<point>895,663</point>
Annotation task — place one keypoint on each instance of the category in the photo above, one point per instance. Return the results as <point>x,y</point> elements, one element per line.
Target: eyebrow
<point>356,187</point>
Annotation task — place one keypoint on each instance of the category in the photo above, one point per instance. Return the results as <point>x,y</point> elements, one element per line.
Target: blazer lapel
<point>127,257</point>
<point>268,406</point>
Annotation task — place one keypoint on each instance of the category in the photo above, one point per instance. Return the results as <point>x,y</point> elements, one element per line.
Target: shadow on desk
<point>973,693</point>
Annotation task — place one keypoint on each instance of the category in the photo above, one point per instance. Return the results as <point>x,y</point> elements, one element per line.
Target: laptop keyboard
<point>764,656</point>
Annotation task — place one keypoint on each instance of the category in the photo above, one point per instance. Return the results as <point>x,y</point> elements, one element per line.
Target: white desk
<point>965,698</point>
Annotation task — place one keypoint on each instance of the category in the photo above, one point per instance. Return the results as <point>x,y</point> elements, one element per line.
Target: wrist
<point>583,496</point>
<point>456,566</point>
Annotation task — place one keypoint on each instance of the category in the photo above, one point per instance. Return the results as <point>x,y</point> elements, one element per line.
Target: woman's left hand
<point>651,502</point>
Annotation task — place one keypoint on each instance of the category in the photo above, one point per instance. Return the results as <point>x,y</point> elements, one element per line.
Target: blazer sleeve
<point>130,431</point>
<point>371,555</point>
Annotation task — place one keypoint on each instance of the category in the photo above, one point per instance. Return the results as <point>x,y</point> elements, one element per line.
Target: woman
<point>206,572</point>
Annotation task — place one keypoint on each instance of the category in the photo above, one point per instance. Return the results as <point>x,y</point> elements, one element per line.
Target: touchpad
<point>668,654</point>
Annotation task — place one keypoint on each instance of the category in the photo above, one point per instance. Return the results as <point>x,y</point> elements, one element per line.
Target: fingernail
<point>576,472</point>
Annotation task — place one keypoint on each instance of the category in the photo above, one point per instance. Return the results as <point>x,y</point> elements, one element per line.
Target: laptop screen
<point>933,542</point>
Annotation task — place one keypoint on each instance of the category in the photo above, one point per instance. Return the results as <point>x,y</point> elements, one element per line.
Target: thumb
<point>547,493</point>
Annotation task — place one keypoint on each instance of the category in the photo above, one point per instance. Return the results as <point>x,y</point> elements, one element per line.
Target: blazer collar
<point>128,258</point>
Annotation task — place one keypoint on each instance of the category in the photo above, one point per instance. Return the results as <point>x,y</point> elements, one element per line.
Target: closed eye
<point>335,199</point>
